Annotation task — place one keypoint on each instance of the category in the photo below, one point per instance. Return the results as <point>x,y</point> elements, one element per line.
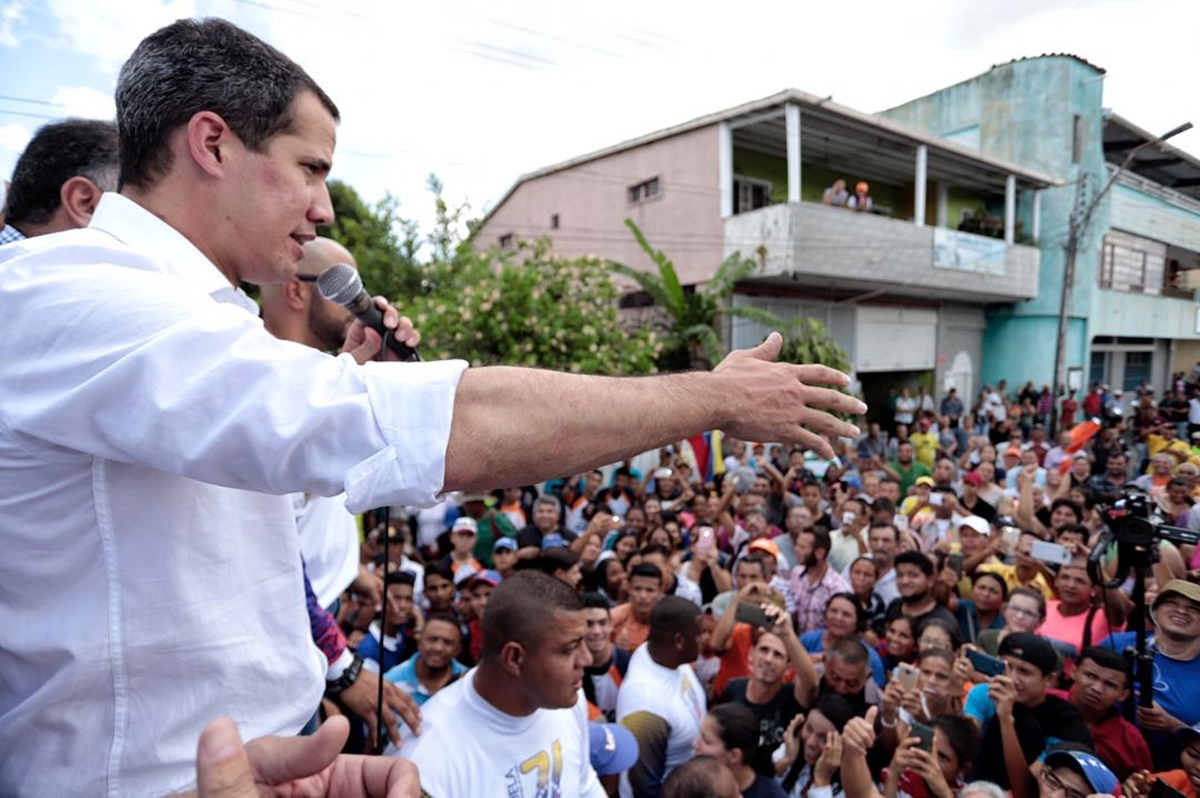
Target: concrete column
<point>920,179</point>
<point>1036,228</point>
<point>792,112</point>
<point>725,168</point>
<point>943,205</point>
<point>1010,209</point>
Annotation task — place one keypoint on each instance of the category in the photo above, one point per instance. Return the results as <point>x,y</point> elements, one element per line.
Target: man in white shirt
<point>661,701</point>
<point>517,724</point>
<point>147,412</point>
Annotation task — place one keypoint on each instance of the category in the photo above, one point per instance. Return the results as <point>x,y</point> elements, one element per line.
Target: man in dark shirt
<point>914,582</point>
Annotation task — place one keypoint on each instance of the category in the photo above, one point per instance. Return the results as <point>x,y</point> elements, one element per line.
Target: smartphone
<point>935,499</point>
<point>901,522</point>
<point>1050,552</point>
<point>848,518</point>
<point>752,614</point>
<point>906,675</point>
<point>955,561</point>
<point>985,663</point>
<point>925,733</point>
<point>706,539</point>
<point>1160,789</point>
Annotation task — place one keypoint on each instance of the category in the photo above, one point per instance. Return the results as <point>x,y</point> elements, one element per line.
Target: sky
<point>479,93</point>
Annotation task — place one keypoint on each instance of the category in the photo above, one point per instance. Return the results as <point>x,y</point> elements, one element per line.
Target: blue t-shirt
<point>1176,689</point>
<point>405,676</point>
<point>968,619</point>
<point>813,643</point>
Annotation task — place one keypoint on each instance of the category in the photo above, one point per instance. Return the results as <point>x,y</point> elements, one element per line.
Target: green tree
<point>807,340</point>
<point>692,339</point>
<point>383,243</point>
<point>529,307</point>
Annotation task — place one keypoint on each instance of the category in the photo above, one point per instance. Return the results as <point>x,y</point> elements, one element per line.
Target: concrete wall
<point>960,350</point>
<point>853,247</point>
<point>1137,212</point>
<point>591,201</point>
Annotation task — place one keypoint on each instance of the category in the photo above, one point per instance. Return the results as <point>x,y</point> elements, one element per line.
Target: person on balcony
<point>861,201</point>
<point>836,195</point>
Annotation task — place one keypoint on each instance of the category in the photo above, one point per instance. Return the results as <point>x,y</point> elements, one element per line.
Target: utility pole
<point>1077,223</point>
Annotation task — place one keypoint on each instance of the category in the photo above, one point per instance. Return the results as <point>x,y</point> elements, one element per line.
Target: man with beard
<point>906,468</point>
<point>915,582</point>
<point>799,518</point>
<point>773,701</point>
<point>813,581</point>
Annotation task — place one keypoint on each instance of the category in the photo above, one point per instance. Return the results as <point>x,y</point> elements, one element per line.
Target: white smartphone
<point>1050,552</point>
<point>935,499</point>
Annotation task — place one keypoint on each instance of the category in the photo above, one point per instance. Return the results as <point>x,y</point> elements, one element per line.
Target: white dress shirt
<point>329,543</point>
<point>149,431</point>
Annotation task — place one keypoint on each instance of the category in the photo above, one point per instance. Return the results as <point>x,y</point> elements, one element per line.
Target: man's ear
<point>512,658</point>
<point>296,295</point>
<point>208,141</point>
<point>79,197</point>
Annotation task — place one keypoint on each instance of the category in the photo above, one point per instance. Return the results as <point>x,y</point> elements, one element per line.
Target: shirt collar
<point>136,227</point>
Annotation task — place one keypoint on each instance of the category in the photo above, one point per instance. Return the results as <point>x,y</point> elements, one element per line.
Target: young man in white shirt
<point>516,724</point>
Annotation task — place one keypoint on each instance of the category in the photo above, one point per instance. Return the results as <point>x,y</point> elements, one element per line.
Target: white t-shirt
<point>468,748</point>
<point>329,543</point>
<point>652,694</point>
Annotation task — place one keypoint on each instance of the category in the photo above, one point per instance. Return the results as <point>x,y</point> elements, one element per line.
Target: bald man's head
<point>296,311</point>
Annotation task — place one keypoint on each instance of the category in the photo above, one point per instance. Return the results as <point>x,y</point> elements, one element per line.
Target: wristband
<point>885,723</point>
<point>349,676</point>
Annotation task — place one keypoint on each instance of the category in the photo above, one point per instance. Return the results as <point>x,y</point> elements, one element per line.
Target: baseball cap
<point>465,524</point>
<point>488,577</point>
<point>463,575</point>
<point>1180,587</point>
<point>764,544</point>
<point>972,478</point>
<point>978,524</point>
<point>1031,648</point>
<point>551,541</point>
<point>1012,451</point>
<point>1187,734</point>
<point>924,480</point>
<point>504,544</point>
<point>468,497</point>
<point>614,749</point>
<point>1096,772</point>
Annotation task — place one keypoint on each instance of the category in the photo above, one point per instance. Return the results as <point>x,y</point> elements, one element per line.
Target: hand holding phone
<point>906,675</point>
<point>1050,552</point>
<point>752,614</point>
<point>985,663</point>
<point>924,734</point>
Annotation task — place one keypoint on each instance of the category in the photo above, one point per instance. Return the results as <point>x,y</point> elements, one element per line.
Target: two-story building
<point>948,280</point>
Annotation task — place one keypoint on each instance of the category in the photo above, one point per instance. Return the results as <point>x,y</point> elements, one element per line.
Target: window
<point>506,241</point>
<point>554,221</point>
<point>1137,369</point>
<point>644,191</point>
<point>1077,139</point>
<point>750,194</point>
<point>1133,263</point>
<point>1099,367</point>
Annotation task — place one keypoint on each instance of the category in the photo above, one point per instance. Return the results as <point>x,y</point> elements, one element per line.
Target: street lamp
<point>1077,224</point>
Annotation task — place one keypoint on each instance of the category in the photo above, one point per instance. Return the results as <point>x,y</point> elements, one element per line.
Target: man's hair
<point>849,651</point>
<point>647,569</point>
<point>399,578</point>
<point>884,525</point>
<point>755,559</point>
<point>203,65</point>
<point>439,569</point>
<point>519,608</point>
<point>548,500</point>
<point>555,558</point>
<point>694,778</point>
<point>983,789</point>
<point>963,737</point>
<point>821,540</point>
<point>672,616</point>
<point>56,153</point>
<point>739,728</point>
<point>884,505</point>
<point>445,617</point>
<point>655,548</point>
<point>914,558</point>
<point>595,601</point>
<point>1107,658</point>
<point>1070,504</point>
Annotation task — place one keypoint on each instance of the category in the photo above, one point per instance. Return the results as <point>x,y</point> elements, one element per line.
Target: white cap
<point>978,524</point>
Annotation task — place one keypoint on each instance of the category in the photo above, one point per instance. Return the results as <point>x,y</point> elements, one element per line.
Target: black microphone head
<point>340,283</point>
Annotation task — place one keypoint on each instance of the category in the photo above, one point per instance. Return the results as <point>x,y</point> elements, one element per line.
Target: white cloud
<point>14,137</point>
<point>12,13</point>
<point>85,102</point>
<point>110,31</point>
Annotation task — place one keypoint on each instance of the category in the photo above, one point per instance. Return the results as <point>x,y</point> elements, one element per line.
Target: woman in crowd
<point>626,546</point>
<point>844,619</point>
<point>938,773</point>
<point>812,748</point>
<point>1024,611</point>
<point>608,578</point>
<point>864,573</point>
<point>899,643</point>
<point>588,547</point>
<point>983,610</point>
<point>934,633</point>
<point>729,734</point>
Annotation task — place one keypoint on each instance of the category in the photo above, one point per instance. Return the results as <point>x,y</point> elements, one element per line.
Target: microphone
<point>340,283</point>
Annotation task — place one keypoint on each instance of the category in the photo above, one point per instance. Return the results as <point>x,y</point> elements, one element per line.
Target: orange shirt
<point>735,662</point>
<point>627,631</point>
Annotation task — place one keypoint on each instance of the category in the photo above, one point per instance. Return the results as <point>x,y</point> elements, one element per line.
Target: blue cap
<point>1096,772</point>
<point>614,749</point>
<point>553,540</point>
<point>488,577</point>
<point>507,544</point>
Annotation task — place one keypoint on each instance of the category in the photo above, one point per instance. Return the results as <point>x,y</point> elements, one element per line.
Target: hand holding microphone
<point>341,284</point>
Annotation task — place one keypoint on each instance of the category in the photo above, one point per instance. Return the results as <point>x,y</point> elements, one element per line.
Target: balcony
<point>843,252</point>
